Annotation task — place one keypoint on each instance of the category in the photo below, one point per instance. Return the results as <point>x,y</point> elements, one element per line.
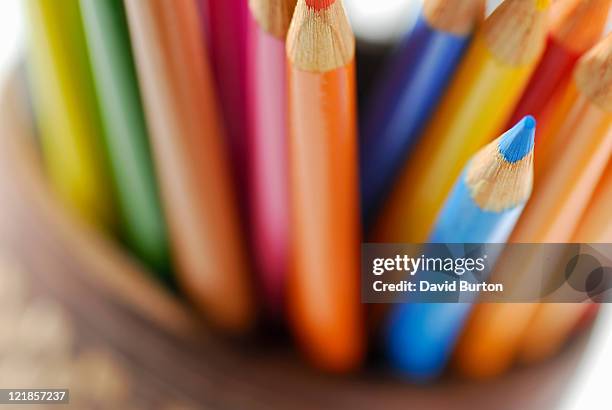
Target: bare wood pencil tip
<point>593,74</point>
<point>516,31</point>
<point>500,176</point>
<point>456,17</point>
<point>273,16</point>
<point>320,39</point>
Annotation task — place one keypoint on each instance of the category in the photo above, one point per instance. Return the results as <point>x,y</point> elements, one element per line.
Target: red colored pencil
<point>575,27</point>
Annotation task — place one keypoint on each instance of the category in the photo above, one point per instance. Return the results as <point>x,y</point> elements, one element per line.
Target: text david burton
<point>426,286</point>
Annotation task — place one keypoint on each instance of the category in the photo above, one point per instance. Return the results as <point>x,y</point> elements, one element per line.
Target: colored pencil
<point>125,131</point>
<point>227,28</point>
<point>267,109</point>
<point>483,207</point>
<point>554,323</point>
<point>584,143</point>
<point>479,100</point>
<point>575,27</point>
<point>595,225</point>
<point>67,112</point>
<point>323,289</point>
<point>409,91</point>
<point>188,148</point>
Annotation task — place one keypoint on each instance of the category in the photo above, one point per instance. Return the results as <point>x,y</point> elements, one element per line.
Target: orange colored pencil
<point>596,224</point>
<point>190,156</point>
<point>583,142</point>
<point>323,290</point>
<point>575,27</point>
<point>553,324</point>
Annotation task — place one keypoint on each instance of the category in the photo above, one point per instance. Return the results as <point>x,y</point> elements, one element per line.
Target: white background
<point>11,25</point>
<point>381,21</point>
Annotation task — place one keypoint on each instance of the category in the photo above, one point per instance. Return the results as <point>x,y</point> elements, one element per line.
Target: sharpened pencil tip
<point>517,142</point>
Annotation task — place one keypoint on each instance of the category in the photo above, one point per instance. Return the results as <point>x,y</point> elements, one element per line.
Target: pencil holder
<point>79,313</point>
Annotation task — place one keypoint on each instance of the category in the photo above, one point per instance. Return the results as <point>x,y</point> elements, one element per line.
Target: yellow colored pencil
<point>66,109</point>
<point>480,99</point>
<point>583,143</point>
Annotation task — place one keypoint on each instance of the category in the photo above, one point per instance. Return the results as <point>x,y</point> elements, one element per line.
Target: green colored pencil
<point>125,131</point>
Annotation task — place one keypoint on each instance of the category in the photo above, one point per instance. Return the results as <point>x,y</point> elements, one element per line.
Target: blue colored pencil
<point>413,83</point>
<point>483,207</point>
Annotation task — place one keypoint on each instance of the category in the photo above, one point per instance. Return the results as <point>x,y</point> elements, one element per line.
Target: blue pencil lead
<point>518,141</point>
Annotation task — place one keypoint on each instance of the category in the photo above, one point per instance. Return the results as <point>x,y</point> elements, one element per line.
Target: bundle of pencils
<point>207,108</point>
<point>410,90</point>
<point>584,142</point>
<point>479,100</point>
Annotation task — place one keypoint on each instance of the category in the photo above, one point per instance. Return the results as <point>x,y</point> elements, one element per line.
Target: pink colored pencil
<point>268,22</point>
<point>226,25</point>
